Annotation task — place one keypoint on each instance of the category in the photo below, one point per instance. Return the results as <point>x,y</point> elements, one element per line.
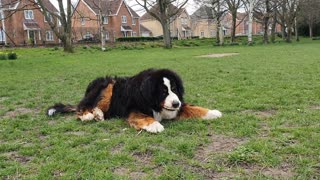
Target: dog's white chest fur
<point>158,116</point>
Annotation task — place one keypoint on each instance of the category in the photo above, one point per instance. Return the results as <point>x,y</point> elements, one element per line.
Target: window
<point>133,21</point>
<point>202,34</point>
<point>105,19</point>
<point>107,35</point>
<point>83,21</point>
<point>134,34</point>
<point>28,14</point>
<point>49,35</point>
<point>124,19</point>
<point>183,20</point>
<point>49,17</point>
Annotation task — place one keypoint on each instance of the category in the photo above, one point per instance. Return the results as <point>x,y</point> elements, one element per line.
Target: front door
<point>32,39</point>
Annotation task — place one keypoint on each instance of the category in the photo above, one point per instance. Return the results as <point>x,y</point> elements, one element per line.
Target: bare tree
<point>233,6</point>
<point>310,14</point>
<point>251,4</point>
<point>287,14</point>
<point>163,11</point>
<point>64,16</point>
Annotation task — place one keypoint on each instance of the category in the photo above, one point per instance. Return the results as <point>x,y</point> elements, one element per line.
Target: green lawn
<point>269,95</point>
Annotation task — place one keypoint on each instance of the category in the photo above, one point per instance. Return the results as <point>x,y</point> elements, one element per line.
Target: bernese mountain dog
<point>143,100</point>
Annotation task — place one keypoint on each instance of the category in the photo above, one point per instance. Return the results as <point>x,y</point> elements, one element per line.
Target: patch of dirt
<point>219,144</point>
<point>19,158</point>
<point>122,171</point>
<point>77,133</point>
<point>264,130</point>
<point>58,173</point>
<point>284,171</point>
<point>3,98</point>
<point>143,158</point>
<point>315,107</point>
<point>218,55</point>
<point>19,111</point>
<point>261,114</point>
<point>117,149</point>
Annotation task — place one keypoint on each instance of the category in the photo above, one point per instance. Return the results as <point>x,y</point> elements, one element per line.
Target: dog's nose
<point>175,104</point>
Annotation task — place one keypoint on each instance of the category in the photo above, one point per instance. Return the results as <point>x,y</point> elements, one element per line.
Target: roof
<point>9,4</point>
<point>13,4</point>
<point>49,6</point>
<point>144,29</point>
<point>126,28</point>
<point>108,7</point>
<point>155,9</point>
<point>30,25</point>
<point>134,13</point>
<point>204,12</point>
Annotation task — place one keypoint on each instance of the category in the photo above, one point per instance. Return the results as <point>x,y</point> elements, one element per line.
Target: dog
<point>143,100</point>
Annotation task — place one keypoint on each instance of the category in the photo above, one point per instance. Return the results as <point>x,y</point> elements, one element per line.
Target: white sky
<point>190,6</point>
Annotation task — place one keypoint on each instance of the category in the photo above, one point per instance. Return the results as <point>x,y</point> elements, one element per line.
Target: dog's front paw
<point>154,127</point>
<point>98,114</point>
<point>212,114</point>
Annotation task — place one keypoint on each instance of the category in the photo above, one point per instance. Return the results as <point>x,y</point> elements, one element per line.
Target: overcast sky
<point>132,3</point>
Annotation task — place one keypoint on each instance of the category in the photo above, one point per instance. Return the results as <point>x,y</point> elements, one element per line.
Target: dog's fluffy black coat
<point>143,93</point>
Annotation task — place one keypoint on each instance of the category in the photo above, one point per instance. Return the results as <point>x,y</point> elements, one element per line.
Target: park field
<point>269,96</point>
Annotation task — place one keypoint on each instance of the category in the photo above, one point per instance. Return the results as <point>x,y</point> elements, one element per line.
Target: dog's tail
<point>61,108</point>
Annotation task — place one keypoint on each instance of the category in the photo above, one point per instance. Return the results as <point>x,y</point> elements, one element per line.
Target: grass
<point>269,94</point>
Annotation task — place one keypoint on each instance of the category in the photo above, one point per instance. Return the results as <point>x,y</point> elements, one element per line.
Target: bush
<point>316,38</point>
<point>3,56</point>
<point>12,55</point>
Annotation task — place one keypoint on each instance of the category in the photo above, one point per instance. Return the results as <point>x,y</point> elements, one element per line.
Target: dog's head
<point>163,90</point>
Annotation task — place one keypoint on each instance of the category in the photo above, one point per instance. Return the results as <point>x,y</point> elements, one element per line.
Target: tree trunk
<point>266,28</point>
<point>166,35</point>
<point>296,29</point>
<point>67,44</point>
<point>218,32</point>
<point>289,34</point>
<point>310,30</point>
<point>234,23</point>
<point>221,37</point>
<point>273,27</point>
<point>250,22</point>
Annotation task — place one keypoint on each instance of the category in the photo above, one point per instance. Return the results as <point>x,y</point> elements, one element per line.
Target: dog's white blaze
<point>212,114</point>
<point>51,111</point>
<point>154,127</point>
<point>171,95</point>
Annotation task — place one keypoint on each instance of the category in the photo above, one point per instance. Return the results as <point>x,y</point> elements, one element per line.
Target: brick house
<point>242,25</point>
<point>203,23</point>
<point>23,23</point>
<point>119,20</point>
<point>180,25</point>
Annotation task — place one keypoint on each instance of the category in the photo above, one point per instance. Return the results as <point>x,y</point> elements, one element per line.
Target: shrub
<point>3,56</point>
<point>316,38</point>
<point>12,55</point>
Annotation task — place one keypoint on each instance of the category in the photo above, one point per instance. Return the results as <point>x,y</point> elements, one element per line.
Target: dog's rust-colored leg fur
<point>102,106</point>
<point>141,121</point>
<point>190,111</point>
<point>105,101</point>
